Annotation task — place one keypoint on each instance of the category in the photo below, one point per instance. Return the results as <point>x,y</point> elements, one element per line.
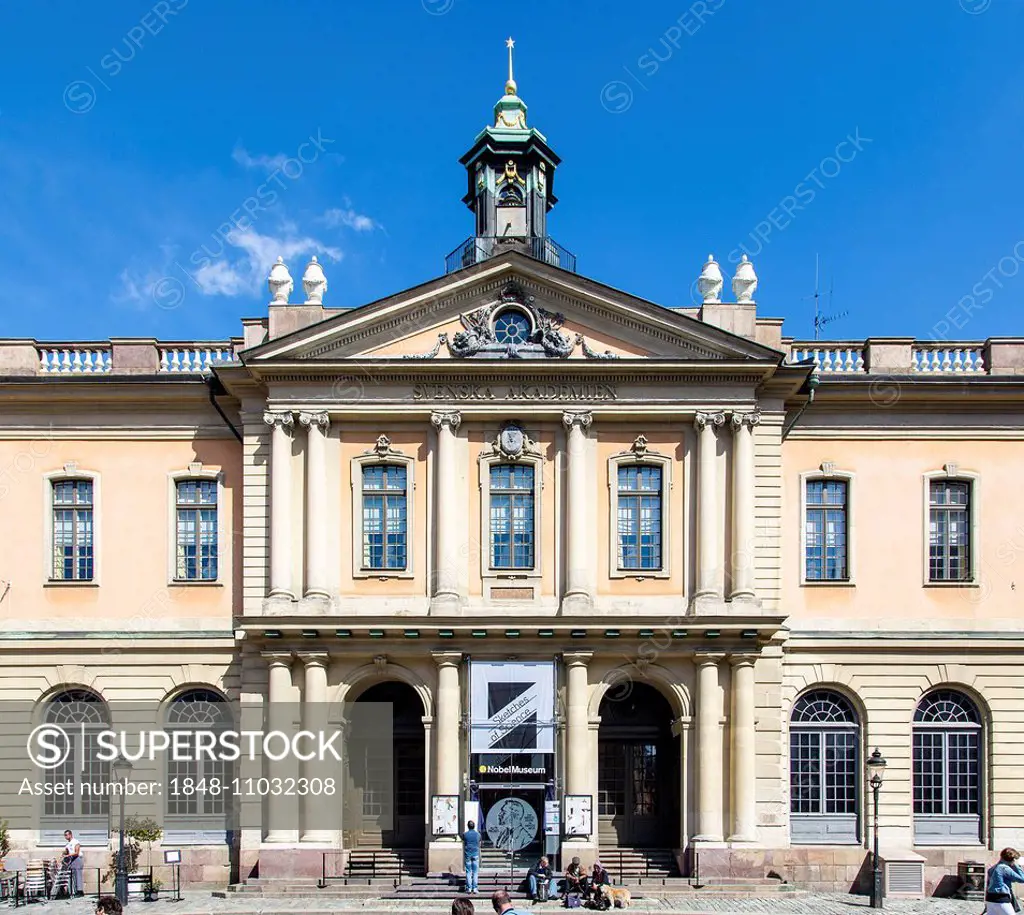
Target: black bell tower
<point>511,172</point>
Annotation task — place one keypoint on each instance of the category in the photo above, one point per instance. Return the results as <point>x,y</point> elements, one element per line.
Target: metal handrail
<point>478,248</point>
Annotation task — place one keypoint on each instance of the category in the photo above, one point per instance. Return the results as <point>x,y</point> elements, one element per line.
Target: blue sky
<point>885,136</point>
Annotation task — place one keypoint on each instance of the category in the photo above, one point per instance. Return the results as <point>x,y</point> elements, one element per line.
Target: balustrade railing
<point>198,357</point>
<point>832,358</point>
<point>75,359</point>
<point>946,359</point>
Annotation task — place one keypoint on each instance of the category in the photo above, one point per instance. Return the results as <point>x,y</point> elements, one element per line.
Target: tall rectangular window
<point>826,531</point>
<point>72,530</point>
<point>385,517</point>
<point>639,521</point>
<point>512,534</point>
<point>949,538</point>
<point>196,530</point>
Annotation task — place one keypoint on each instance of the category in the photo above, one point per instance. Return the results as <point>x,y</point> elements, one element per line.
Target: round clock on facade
<point>512,326</point>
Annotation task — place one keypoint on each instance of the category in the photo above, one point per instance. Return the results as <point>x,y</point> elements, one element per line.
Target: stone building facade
<point>728,563</point>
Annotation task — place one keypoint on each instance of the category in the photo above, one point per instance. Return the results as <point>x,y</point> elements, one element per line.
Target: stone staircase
<point>633,866</point>
<point>385,864</point>
<point>399,874</point>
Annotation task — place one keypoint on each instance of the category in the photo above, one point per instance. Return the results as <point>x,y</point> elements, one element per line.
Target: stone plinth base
<point>277,861</point>
<point>587,852</point>
<point>445,857</point>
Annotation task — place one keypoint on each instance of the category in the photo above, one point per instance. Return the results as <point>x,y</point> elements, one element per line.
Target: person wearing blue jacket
<point>471,857</point>
<point>999,897</point>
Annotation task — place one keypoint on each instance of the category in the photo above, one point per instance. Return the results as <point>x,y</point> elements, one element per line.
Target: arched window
<point>824,753</point>
<point>82,714</point>
<point>198,790</point>
<point>512,326</point>
<point>511,195</point>
<point>947,769</point>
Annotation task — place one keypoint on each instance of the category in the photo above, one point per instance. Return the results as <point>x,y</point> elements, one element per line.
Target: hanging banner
<point>512,706</point>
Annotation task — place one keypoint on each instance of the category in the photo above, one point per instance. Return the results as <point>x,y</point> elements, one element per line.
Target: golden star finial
<point>510,44</point>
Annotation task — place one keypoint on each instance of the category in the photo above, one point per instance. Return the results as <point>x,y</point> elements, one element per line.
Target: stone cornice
<point>481,372</point>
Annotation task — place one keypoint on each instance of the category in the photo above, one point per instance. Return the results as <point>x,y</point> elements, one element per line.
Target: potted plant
<point>136,831</point>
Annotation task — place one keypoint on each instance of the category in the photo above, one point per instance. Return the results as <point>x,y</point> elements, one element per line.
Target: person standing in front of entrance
<point>471,857</point>
<point>999,897</point>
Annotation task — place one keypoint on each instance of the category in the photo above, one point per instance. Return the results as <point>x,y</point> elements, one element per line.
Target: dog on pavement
<point>619,895</point>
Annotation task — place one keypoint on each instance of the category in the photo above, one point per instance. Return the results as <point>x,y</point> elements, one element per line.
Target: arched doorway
<point>638,770</point>
<point>393,795</point>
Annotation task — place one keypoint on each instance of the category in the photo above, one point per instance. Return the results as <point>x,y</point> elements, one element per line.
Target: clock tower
<point>511,176</point>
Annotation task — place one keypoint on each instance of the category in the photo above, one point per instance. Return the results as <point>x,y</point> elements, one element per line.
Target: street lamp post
<point>876,768</point>
<point>122,770</point>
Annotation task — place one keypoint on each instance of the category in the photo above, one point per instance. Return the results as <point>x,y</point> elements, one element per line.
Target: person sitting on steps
<point>542,885</point>
<point>576,879</point>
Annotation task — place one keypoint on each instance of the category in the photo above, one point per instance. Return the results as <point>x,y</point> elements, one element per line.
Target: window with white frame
<point>385,517</point>
<point>826,527</point>
<point>824,753</point>
<point>198,787</point>
<point>639,517</point>
<point>85,808</point>
<point>949,530</point>
<point>73,530</point>
<point>196,530</point>
<point>947,764</point>
<point>512,537</point>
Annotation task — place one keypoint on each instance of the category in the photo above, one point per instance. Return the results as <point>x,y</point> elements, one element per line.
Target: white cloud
<point>246,272</point>
<point>241,271</point>
<point>348,217</point>
<point>271,163</point>
<point>221,278</point>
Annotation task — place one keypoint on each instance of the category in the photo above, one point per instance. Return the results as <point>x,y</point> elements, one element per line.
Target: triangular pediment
<point>563,316</point>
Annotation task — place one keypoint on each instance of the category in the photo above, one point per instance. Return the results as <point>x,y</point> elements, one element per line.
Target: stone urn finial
<point>280,283</point>
<point>710,282</point>
<point>314,282</point>
<point>744,283</point>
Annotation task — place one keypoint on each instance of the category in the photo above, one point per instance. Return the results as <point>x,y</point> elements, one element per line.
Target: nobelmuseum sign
<point>555,392</point>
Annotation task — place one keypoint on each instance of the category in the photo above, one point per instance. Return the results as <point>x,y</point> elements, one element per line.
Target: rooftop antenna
<point>822,320</point>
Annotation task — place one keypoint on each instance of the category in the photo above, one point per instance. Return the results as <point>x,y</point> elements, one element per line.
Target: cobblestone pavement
<point>204,903</point>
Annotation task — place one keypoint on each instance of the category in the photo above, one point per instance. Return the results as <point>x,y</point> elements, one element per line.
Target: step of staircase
<point>630,864</point>
<point>385,863</point>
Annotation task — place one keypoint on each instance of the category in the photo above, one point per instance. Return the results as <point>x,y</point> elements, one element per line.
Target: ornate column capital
<point>738,420</point>
<point>451,418</point>
<point>447,658</point>
<point>705,658</point>
<point>314,658</point>
<point>582,419</point>
<point>319,418</point>
<point>278,658</point>
<point>577,658</point>
<point>747,659</point>
<point>283,418</point>
<point>712,421</point>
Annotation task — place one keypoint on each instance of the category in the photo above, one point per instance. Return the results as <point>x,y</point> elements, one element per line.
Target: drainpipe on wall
<point>812,386</point>
<point>215,388</point>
